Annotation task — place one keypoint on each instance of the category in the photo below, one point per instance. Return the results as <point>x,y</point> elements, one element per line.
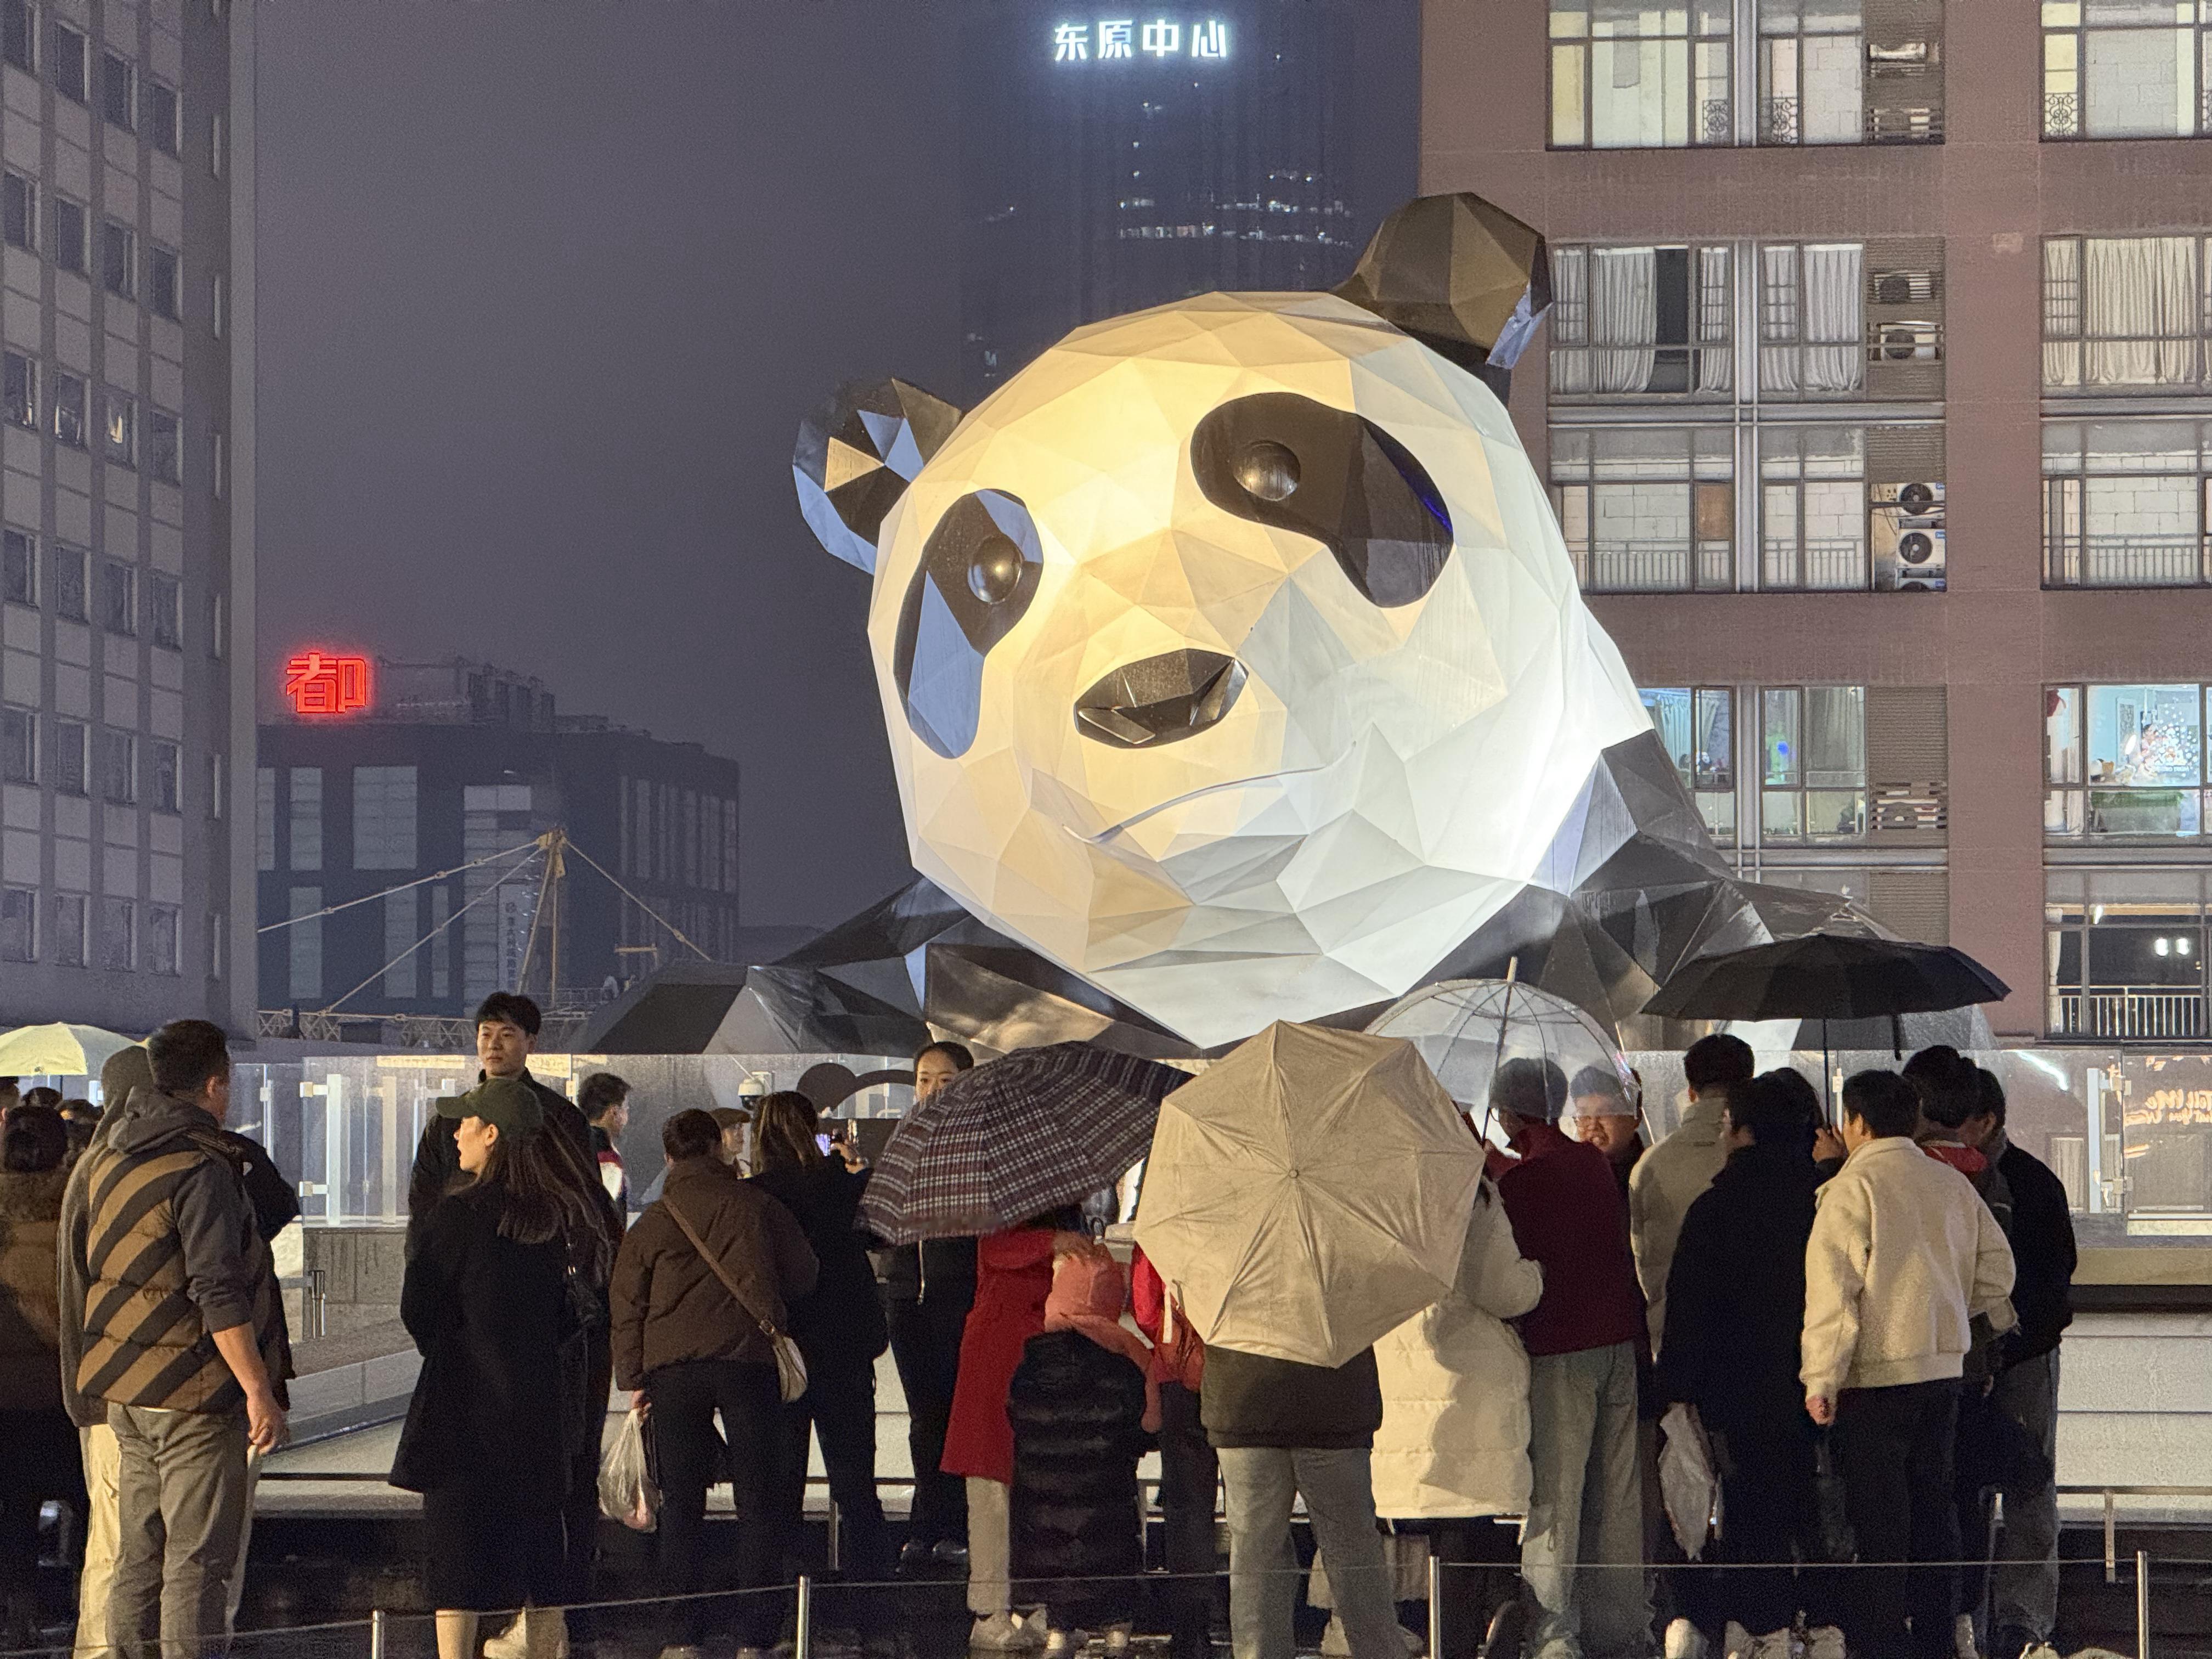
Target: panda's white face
<point>1231,659</point>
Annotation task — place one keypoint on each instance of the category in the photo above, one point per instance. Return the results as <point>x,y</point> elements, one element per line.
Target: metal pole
<point>2142,1604</point>
<point>802,1645</point>
<point>836,1540</point>
<point>376,1633</point>
<point>1436,1603</point>
<point>2111,1544</point>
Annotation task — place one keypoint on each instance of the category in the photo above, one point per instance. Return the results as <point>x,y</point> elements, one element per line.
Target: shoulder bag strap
<point>715,1266</point>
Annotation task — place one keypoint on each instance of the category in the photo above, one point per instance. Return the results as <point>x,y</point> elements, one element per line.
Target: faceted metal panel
<point>857,453</point>
<point>1464,277</point>
<point>1161,700</point>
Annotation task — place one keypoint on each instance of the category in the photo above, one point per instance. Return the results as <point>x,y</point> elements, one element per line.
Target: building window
<point>65,756</point>
<point>305,938</point>
<point>65,565</point>
<point>1812,69</point>
<point>401,929</point>
<point>119,596</point>
<point>157,113</point>
<point>67,919</point>
<point>19,391</point>
<point>69,409</point>
<point>2123,762</point>
<point>1813,508</point>
<point>384,818</point>
<point>1647,509</point>
<point>161,938</point>
<point>1627,321</point>
<point>118,91</point>
<point>19,567</point>
<point>118,259</point>
<point>306,818</point>
<point>1697,726</point>
<point>164,755</point>
<point>1813,785</point>
<point>162,284</point>
<point>265,817</point>
<point>2123,311</point>
<point>18,745</point>
<point>19,210</point>
<point>19,36</point>
<point>118,932</point>
<point>118,427</point>
<point>2124,504</point>
<point>2125,953</point>
<point>1811,320</point>
<point>66,59</point>
<point>68,238</point>
<point>2126,69</point>
<point>165,603</point>
<point>1628,76</point>
<point>165,447</point>
<point>119,767</point>
<point>18,925</point>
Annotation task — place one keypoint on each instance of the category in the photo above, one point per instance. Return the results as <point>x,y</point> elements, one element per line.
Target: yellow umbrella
<point>58,1050</point>
<point>1309,1194</point>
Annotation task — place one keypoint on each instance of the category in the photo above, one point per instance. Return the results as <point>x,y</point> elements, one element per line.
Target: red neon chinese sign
<point>319,683</point>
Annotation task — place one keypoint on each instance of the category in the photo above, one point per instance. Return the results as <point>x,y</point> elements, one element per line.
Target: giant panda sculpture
<point>1235,670</point>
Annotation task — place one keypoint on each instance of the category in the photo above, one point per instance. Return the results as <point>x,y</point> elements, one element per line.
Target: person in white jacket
<point>1673,1175</point>
<point>1903,1257</point>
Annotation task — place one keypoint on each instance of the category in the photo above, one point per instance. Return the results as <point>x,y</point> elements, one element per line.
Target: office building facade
<point>397,845</point>
<point>1113,159</point>
<point>1877,409</point>
<point>126,536</point>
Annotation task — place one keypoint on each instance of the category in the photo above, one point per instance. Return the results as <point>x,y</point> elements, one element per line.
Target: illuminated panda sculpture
<point>1234,669</point>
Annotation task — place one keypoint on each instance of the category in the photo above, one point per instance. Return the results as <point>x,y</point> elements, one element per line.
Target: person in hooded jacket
<point>1735,1300</point>
<point>1083,1409</point>
<point>1453,1450</point>
<point>40,1460</point>
<point>839,1328</point>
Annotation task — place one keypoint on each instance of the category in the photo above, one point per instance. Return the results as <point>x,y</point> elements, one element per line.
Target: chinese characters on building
<point>1129,38</point>
<point>318,682</point>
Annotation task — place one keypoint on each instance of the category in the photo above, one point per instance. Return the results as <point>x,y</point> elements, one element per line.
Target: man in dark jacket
<point>2024,1602</point>
<point>1285,1431</point>
<point>1736,1305</point>
<point>1583,1341</point>
<point>507,1030</point>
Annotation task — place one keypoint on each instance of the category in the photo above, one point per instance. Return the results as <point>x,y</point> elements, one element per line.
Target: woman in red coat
<point>1013,1277</point>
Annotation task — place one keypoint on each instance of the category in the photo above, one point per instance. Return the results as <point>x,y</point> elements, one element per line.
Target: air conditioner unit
<point>1910,342</point>
<point>1907,540</point>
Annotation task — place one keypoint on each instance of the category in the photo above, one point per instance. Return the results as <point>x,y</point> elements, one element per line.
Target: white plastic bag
<point>1686,1481</point>
<point>627,1491</point>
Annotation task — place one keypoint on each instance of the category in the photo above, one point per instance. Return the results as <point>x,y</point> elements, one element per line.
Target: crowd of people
<point>1855,1327</point>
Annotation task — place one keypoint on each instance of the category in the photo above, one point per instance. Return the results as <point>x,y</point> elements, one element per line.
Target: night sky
<point>545,287</point>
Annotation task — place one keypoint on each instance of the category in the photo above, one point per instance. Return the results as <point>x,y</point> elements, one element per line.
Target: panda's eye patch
<point>979,572</point>
<point>1279,459</point>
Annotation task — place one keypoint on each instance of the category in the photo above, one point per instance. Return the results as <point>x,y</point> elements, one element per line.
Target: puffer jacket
<point>1453,1441</point>
<point>30,1300</point>
<point>1076,1410</point>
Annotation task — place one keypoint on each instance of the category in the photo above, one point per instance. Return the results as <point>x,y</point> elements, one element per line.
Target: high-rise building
<point>1878,413</point>
<point>399,810</point>
<point>1115,159</point>
<point>126,524</point>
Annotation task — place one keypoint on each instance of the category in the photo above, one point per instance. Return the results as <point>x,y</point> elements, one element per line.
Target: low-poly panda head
<point>1230,653</point>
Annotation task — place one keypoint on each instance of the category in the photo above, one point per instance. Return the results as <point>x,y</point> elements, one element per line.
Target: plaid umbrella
<point>1014,1138</point>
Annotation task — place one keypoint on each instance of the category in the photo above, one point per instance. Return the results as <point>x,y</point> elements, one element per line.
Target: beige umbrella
<point>1309,1194</point>
<point>58,1050</point>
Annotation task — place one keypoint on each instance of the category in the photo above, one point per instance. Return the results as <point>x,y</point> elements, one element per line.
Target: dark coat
<point>1564,1201</point>
<point>437,1162</point>
<point>30,1305</point>
<point>938,1268</point>
<point>1735,1294</point>
<point>1077,1410</point>
<point>841,1324</point>
<point>495,1407</point>
<point>1253,1401</point>
<point>2043,1254</point>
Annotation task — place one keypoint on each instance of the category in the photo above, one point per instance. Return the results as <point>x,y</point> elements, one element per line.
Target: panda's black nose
<point>1161,700</point>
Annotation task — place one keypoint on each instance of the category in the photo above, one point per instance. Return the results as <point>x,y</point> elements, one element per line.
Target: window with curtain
<point>2123,762</point>
<point>1812,63</point>
<point>2126,68</point>
<point>2124,503</point>
<point>1812,327</point>
<point>1647,509</point>
<point>1626,75</point>
<point>1628,321</point>
<point>2123,312</point>
<point>1813,786</point>
<point>1697,726</point>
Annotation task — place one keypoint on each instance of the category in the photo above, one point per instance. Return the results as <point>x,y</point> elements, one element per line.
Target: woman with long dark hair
<point>495,1297</point>
<point>840,1329</point>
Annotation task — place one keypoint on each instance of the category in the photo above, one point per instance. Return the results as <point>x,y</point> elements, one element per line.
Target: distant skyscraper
<point>126,491</point>
<point>1114,160</point>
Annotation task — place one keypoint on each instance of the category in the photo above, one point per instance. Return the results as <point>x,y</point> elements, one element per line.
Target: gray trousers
<point>1259,1483</point>
<point>2024,1584</point>
<point>181,1505</point>
<point>1582,1553</point>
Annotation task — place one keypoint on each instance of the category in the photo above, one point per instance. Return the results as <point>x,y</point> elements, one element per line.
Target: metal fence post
<point>1436,1603</point>
<point>376,1634</point>
<point>802,1645</point>
<point>2142,1604</point>
<point>836,1537</point>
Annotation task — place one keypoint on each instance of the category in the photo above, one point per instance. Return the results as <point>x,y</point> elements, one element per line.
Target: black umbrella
<point>1826,977</point>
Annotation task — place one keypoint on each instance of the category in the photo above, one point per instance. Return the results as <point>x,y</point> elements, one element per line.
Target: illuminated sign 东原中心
<point>323,683</point>
<point>1127,40</point>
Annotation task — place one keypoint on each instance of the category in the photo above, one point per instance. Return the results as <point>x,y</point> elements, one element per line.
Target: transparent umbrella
<point>1466,1029</point>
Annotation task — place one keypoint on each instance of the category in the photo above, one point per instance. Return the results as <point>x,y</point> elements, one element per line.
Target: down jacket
<point>30,1307</point>
<point>1076,1411</point>
<point>1453,1443</point>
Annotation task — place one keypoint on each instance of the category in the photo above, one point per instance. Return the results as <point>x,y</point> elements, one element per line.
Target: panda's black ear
<point>856,455</point>
<point>1461,276</point>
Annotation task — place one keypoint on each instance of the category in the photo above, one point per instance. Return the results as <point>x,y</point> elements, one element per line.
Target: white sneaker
<point>1002,1632</point>
<point>509,1644</point>
<point>1062,1644</point>
<point>1962,1637</point>
<point>1825,1642</point>
<point>1685,1641</point>
<point>1775,1644</point>
<point>1735,1641</point>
